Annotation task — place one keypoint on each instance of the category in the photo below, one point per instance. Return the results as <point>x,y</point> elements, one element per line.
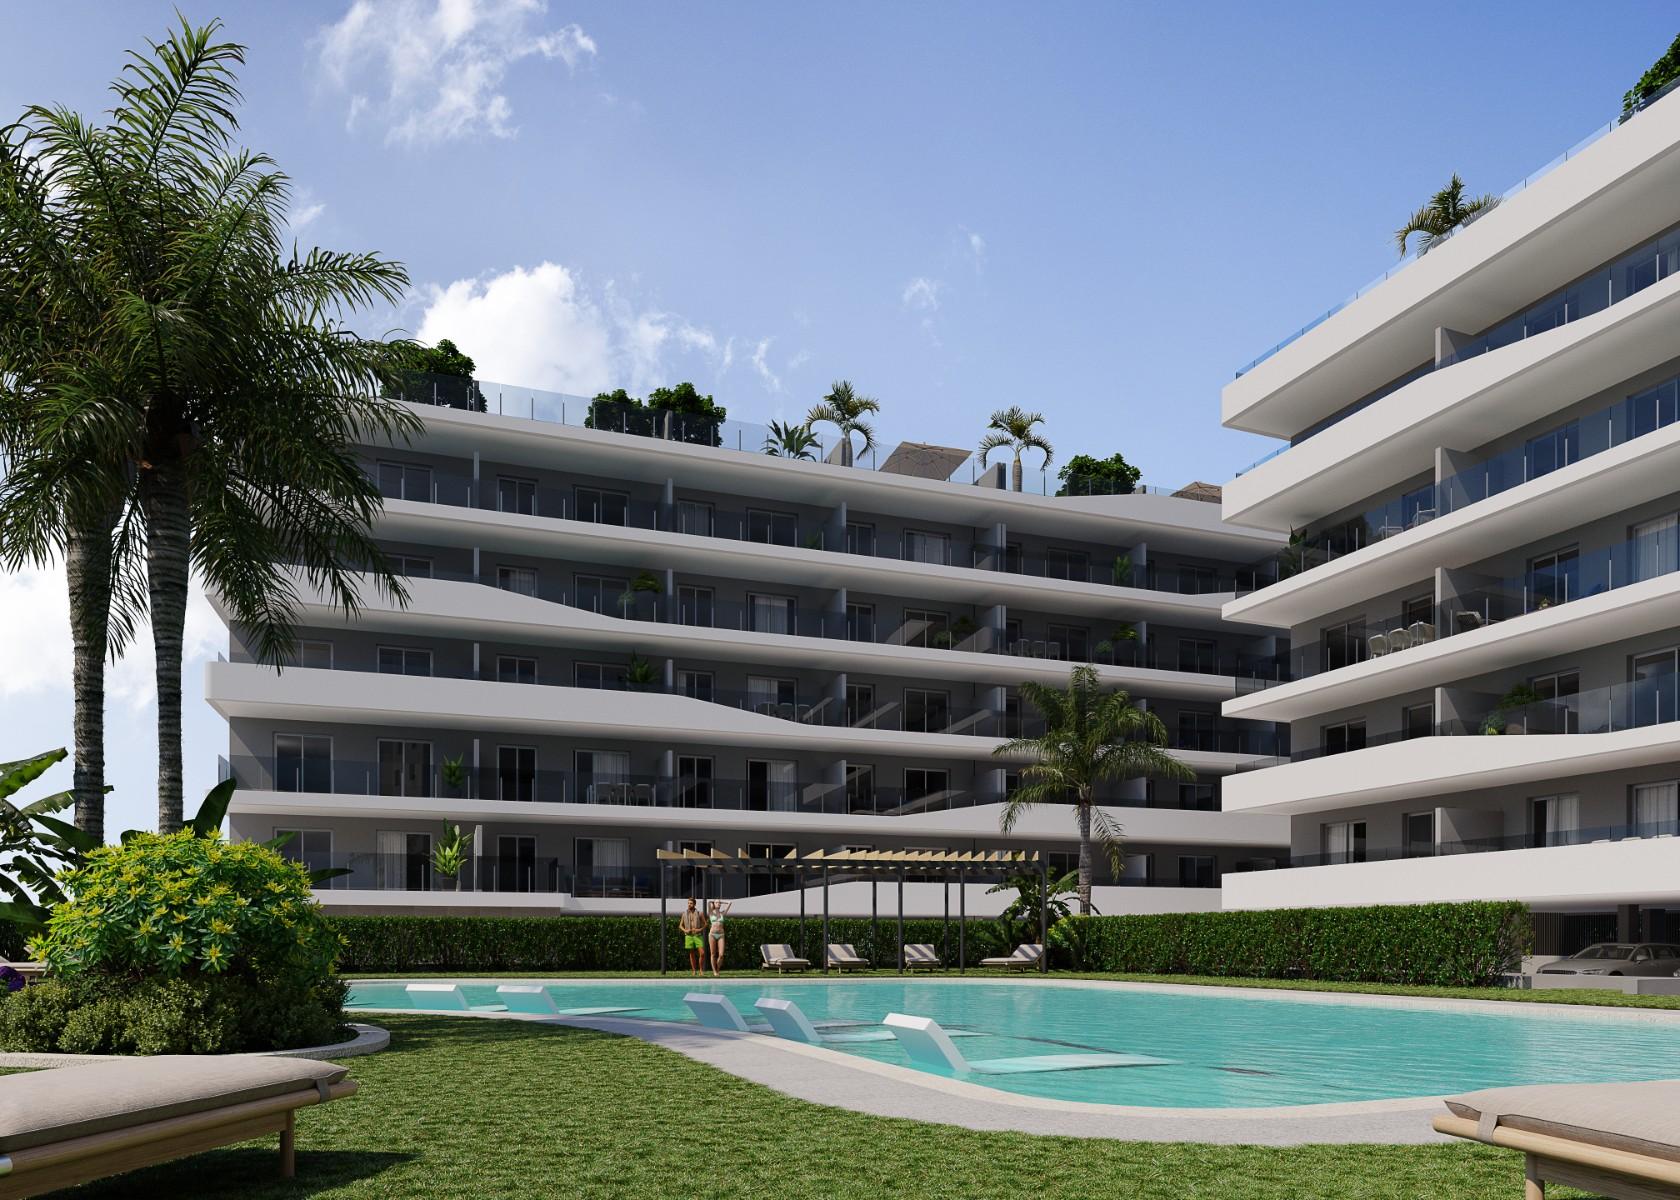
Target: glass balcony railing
<point>1591,835</point>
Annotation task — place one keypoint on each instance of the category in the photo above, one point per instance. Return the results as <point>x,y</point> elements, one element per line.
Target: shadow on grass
<point>248,1172</point>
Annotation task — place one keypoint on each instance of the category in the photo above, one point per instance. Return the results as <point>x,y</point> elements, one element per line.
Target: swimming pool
<point>1223,1050</point>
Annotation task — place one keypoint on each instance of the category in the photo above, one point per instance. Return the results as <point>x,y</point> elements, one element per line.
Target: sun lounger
<point>1026,955</point>
<point>29,970</point>
<point>446,997</point>
<point>67,1126</point>
<point>788,1021</point>
<point>716,1012</point>
<point>926,1043</point>
<point>921,954</point>
<point>1620,1140</point>
<point>779,957</point>
<point>842,957</point>
<point>527,998</point>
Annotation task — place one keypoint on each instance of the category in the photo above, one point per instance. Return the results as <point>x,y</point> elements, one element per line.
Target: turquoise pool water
<point>1223,1051</point>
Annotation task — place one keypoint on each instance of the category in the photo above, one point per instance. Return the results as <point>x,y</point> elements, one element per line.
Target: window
<point>1198,730</point>
<point>302,763</point>
<point>603,866</point>
<point>398,660</point>
<point>1419,834</point>
<point>923,626</point>
<point>926,711</point>
<point>772,785</point>
<point>522,580</point>
<point>771,528</point>
<point>1344,842</point>
<point>1549,451</point>
<point>763,885</point>
<point>402,861</point>
<point>404,481</point>
<point>860,622</point>
<point>516,863</point>
<point>695,517</point>
<point>602,507</point>
<point>922,546</point>
<point>1554,578</point>
<point>1067,564</point>
<point>1072,643</point>
<point>1014,559</point>
<point>1417,720</point>
<point>695,606</point>
<point>311,847</point>
<point>860,789</point>
<point>1343,645</point>
<point>1198,581</point>
<point>1343,737</point>
<point>1653,410</point>
<point>1012,715</point>
<point>405,768</point>
<point>1554,820</point>
<point>1199,796</point>
<point>314,655</point>
<point>925,790</point>
<point>689,879</point>
<point>516,773</point>
<point>413,566</point>
<point>1198,870</point>
<point>603,776</point>
<point>860,705</point>
<point>516,495</point>
<point>697,685</point>
<point>512,669</point>
<point>1561,710</point>
<point>1656,808</point>
<point>860,538</point>
<point>1200,655</point>
<point>1654,546</point>
<point>1419,609</point>
<point>604,676</point>
<point>600,594</point>
<point>694,781</point>
<point>770,614</point>
<point>772,697</point>
<point>1652,679</point>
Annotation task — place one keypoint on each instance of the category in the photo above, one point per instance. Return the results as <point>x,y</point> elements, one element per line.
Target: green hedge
<point>589,943</point>
<point>1440,945</point>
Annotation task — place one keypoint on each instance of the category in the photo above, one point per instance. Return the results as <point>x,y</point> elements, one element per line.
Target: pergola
<point>896,865</point>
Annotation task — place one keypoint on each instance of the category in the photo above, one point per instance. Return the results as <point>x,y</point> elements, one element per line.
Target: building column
<point>668,505</point>
<point>1627,922</point>
<point>993,635</point>
<point>836,616</point>
<point>836,531</point>
<point>1140,566</point>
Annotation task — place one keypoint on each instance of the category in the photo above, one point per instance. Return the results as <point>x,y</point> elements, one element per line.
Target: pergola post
<point>901,920</point>
<point>664,918</point>
<point>945,929</point>
<point>962,921</point>
<point>799,882</point>
<point>825,919</point>
<point>1044,917</point>
<point>874,919</point>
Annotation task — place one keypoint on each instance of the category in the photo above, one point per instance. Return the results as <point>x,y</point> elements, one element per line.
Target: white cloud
<point>976,250</point>
<point>305,215</point>
<point>921,294</point>
<point>442,64</point>
<point>539,327</point>
<point>761,364</point>
<point>798,360</point>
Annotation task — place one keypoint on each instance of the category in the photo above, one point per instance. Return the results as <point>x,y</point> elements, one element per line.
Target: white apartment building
<point>1481,490</point>
<point>619,643</point>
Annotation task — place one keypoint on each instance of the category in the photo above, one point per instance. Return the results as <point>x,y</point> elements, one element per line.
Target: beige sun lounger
<point>779,957</point>
<point>842,957</point>
<point>923,955</point>
<point>67,1126</point>
<point>29,970</point>
<point>1620,1140</point>
<point>1026,955</point>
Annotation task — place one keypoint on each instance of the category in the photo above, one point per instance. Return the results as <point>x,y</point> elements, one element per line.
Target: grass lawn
<point>475,1108</point>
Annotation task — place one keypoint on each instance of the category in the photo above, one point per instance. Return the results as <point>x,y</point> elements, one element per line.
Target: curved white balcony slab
<point>1632,611</point>
<point>1443,766</point>
<point>1596,876</point>
<point>1140,826</point>
<point>1463,406</point>
<point>1579,215</point>
<point>1618,479</point>
<point>550,537</point>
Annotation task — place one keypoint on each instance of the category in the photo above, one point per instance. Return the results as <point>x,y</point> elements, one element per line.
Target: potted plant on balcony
<point>1110,646</point>
<point>1123,570</point>
<point>454,773</point>
<point>640,675</point>
<point>450,854</point>
<point>1500,720</point>
<point>959,632</point>
<point>646,583</point>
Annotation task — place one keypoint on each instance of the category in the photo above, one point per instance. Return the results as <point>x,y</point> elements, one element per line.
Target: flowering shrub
<point>180,905</point>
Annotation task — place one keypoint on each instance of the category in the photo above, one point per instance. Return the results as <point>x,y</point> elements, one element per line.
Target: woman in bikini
<point>692,926</point>
<point>719,910</point>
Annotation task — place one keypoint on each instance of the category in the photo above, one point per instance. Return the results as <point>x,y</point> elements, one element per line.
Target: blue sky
<point>1099,211</point>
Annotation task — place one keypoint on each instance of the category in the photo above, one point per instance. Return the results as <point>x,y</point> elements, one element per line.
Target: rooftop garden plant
<point>845,409</point>
<point>1446,211</point>
<point>1014,429</point>
<point>789,440</point>
<point>675,414</point>
<point>1083,475</point>
<point>1662,73</point>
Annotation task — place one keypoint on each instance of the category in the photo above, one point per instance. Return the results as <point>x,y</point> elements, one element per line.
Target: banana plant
<point>35,846</point>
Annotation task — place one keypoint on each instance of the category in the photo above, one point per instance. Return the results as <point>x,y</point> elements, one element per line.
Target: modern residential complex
<point>1481,588</point>
<point>617,642</point>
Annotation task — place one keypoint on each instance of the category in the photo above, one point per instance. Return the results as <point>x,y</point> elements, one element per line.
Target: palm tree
<point>844,409</point>
<point>790,441</point>
<point>225,430</point>
<point>1090,735</point>
<point>1446,211</point>
<point>1012,429</point>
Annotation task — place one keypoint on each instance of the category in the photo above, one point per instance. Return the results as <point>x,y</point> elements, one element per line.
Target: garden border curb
<point>369,1039</point>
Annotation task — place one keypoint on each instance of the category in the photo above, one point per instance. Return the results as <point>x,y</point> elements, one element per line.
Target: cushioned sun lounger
<point>1620,1140</point>
<point>921,954</point>
<point>926,1043</point>
<point>446,997</point>
<point>779,956</point>
<point>842,957</point>
<point>67,1126</point>
<point>29,970</point>
<point>715,1011</point>
<point>1026,955</point>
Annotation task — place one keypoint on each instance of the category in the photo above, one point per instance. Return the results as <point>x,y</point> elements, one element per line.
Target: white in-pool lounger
<point>716,1012</point>
<point>535,998</point>
<point>1620,1140</point>
<point>446,997</point>
<point>926,1043</point>
<point>787,1020</point>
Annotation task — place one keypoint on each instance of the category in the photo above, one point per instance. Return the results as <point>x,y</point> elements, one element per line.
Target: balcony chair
<point>1421,631</point>
<point>1379,644</point>
<point>1467,619</point>
<point>1399,639</point>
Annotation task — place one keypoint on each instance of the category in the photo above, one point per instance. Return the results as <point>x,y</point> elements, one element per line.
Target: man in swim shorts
<point>691,925</point>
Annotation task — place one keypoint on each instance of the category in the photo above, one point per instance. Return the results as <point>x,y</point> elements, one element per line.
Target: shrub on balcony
<point>185,944</point>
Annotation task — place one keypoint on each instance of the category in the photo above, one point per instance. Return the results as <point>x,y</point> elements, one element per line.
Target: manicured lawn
<point>474,1108</point>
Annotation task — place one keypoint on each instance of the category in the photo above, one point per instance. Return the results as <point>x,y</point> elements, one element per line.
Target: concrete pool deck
<point>830,1077</point>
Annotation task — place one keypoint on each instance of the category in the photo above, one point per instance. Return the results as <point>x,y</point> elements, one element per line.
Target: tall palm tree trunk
<point>1015,472</point>
<point>1085,855</point>
<point>87,569</point>
<point>168,544</point>
<point>845,449</point>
